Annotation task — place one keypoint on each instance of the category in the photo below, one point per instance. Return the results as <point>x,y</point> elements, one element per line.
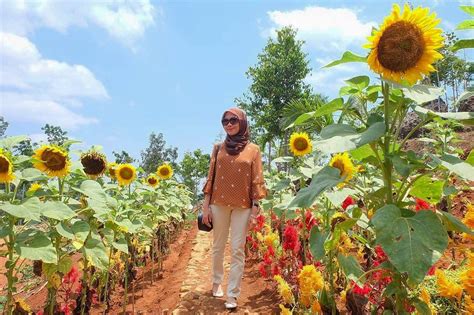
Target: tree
<point>277,80</point>
<point>156,154</point>
<point>55,134</point>
<point>123,157</point>
<point>3,126</point>
<point>192,169</point>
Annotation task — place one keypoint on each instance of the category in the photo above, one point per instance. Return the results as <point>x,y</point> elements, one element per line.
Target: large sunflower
<point>126,174</point>
<point>52,160</point>
<point>404,48</point>
<point>300,143</point>
<point>6,169</point>
<point>152,180</point>
<point>94,164</point>
<point>165,171</point>
<point>343,162</point>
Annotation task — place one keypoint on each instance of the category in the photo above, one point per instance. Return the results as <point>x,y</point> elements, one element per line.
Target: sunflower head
<point>34,187</point>
<point>404,48</point>
<point>94,164</point>
<point>6,168</point>
<point>152,180</point>
<point>111,167</point>
<point>300,143</point>
<point>52,160</point>
<point>344,164</point>
<point>165,171</point>
<point>126,174</point>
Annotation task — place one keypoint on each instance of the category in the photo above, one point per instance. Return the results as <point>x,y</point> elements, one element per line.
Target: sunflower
<point>111,167</point>
<point>300,143</point>
<point>6,169</point>
<point>125,173</point>
<point>52,160</point>
<point>94,164</point>
<point>404,48</point>
<point>34,187</point>
<point>165,171</point>
<point>343,162</point>
<point>152,180</point>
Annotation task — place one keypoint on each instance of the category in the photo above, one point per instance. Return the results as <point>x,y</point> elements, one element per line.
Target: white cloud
<point>40,90</point>
<point>325,29</point>
<point>125,20</point>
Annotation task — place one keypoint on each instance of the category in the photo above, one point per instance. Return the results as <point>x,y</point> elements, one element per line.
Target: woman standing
<point>232,200</point>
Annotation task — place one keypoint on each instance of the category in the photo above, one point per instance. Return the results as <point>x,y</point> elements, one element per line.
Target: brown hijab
<point>236,143</point>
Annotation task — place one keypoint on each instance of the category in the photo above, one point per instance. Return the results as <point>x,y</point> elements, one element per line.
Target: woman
<point>232,200</point>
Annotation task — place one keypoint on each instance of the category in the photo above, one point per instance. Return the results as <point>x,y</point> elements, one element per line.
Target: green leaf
<point>412,244</point>
<point>32,174</point>
<point>423,93</point>
<point>470,158</point>
<point>348,56</point>
<point>9,142</point>
<point>456,165</point>
<point>65,264</point>
<point>282,185</point>
<point>359,82</point>
<point>465,25</point>
<point>95,252</point>
<point>57,210</point>
<point>316,243</point>
<point>465,117</point>
<point>421,307</point>
<point>36,246</point>
<point>338,196</point>
<point>362,152</point>
<point>454,224</point>
<point>121,245</point>
<point>469,9</point>
<point>327,178</point>
<point>81,230</point>
<point>428,189</point>
<point>64,230</point>
<point>401,166</point>
<point>351,268</point>
<point>342,139</point>
<point>92,189</point>
<point>29,210</point>
<point>462,44</point>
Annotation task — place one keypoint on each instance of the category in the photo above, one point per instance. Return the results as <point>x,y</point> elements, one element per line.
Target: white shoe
<point>231,303</point>
<point>217,290</point>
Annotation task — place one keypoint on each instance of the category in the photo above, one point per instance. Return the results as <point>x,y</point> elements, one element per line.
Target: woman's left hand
<point>253,217</point>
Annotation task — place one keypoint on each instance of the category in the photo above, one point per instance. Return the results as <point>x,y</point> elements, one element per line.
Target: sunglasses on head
<point>232,121</point>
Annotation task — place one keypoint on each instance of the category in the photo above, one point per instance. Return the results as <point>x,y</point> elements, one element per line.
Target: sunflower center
<point>152,181</point>
<point>164,171</point>
<point>339,165</point>
<point>54,160</point>
<point>401,46</point>
<point>4,165</point>
<point>301,144</point>
<point>93,165</point>
<point>126,173</point>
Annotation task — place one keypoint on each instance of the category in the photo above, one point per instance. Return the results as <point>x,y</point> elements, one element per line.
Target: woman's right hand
<point>206,215</point>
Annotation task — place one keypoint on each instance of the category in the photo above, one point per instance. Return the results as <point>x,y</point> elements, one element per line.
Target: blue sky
<point>112,72</point>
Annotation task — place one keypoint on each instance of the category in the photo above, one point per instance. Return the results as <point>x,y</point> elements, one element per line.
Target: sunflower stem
<point>387,165</point>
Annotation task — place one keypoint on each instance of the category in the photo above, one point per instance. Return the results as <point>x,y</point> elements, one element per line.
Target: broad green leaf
<point>64,230</point>
<point>338,196</point>
<point>65,264</point>
<point>401,166</point>
<point>121,245</point>
<point>348,56</point>
<point>362,152</point>
<point>29,210</point>
<point>462,44</point>
<point>57,210</point>
<point>37,246</point>
<point>465,25</point>
<point>329,108</point>
<point>96,253</point>
<point>282,185</point>
<point>413,244</point>
<point>92,189</point>
<point>32,174</point>
<point>344,141</point>
<point>283,159</point>
<point>423,93</point>
<point>470,158</point>
<point>81,230</point>
<point>337,130</point>
<point>9,142</point>
<point>456,165</point>
<point>351,268</point>
<point>469,9</point>
<point>428,189</point>
<point>327,178</point>
<point>454,224</point>
<point>316,243</point>
<point>421,307</point>
<point>359,82</point>
<point>301,119</point>
<point>464,117</point>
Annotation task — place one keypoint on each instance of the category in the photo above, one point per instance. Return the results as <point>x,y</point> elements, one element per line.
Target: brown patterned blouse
<point>239,178</point>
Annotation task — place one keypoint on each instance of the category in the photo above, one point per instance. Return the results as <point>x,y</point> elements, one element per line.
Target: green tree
<point>277,80</point>
<point>156,154</point>
<point>192,169</point>
<point>3,126</point>
<point>123,157</point>
<point>55,134</point>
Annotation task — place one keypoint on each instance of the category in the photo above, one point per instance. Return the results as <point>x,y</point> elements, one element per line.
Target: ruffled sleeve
<point>258,189</point>
<point>207,189</point>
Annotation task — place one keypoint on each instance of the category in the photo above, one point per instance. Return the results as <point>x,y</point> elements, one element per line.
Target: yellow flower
<point>370,213</point>
<point>425,296</point>
<point>111,167</point>
<point>21,307</point>
<point>270,239</point>
<point>344,244</point>
<point>6,169</point>
<point>94,163</point>
<point>285,290</point>
<point>310,282</point>
<point>468,305</point>
<point>52,160</point>
<point>344,297</point>
<point>34,187</point>
<point>284,310</point>
<point>165,171</point>
<point>54,280</point>
<point>469,216</point>
<point>125,173</point>
<point>467,276</point>
<point>447,288</point>
<point>316,308</point>
<point>300,143</point>
<point>152,180</point>
<point>260,237</point>
<point>343,162</point>
<point>404,48</point>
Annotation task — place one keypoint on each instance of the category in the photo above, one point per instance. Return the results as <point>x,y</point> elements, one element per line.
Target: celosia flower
<point>310,282</point>
<point>421,204</point>
<point>348,202</point>
<point>290,239</point>
<point>284,310</point>
<point>467,277</point>
<point>447,288</point>
<point>284,290</point>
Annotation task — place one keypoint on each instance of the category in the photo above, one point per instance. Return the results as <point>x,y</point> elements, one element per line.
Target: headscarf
<point>236,143</point>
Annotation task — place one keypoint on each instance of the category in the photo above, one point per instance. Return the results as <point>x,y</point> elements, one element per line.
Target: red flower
<point>348,202</point>
<point>310,220</point>
<point>64,308</point>
<point>290,238</point>
<point>381,256</point>
<point>72,276</point>
<point>276,270</point>
<point>420,204</point>
<point>361,291</point>
<point>260,222</point>
<point>263,271</point>
<point>40,312</point>
<point>432,270</point>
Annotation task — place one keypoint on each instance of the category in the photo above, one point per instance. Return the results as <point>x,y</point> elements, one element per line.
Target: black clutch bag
<point>202,226</point>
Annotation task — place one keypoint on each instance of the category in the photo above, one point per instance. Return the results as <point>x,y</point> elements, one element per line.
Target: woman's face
<point>231,124</point>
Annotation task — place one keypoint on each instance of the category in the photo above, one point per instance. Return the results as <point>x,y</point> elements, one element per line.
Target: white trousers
<point>237,220</point>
